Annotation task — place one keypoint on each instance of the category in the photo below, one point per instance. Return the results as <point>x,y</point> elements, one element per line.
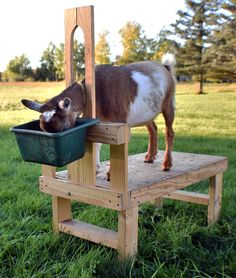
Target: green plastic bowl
<point>55,149</point>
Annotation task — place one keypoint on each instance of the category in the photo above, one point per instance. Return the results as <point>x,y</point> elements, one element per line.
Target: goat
<point>134,94</point>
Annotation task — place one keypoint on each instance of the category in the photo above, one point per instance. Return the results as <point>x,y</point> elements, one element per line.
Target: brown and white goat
<point>134,94</point>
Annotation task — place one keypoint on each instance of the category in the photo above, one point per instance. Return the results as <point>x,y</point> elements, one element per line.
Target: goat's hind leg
<point>152,145</point>
<point>169,138</point>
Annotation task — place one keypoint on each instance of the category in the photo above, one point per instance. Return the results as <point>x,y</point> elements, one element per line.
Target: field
<point>173,241</point>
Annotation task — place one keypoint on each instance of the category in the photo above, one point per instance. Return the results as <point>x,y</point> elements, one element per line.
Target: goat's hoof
<point>166,167</point>
<point>148,160</point>
<point>108,176</point>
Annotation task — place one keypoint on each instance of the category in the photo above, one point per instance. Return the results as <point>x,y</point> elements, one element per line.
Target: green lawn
<point>173,241</point>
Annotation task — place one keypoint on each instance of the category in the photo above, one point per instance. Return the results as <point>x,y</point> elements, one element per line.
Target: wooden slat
<point>127,233</point>
<point>61,207</point>
<point>90,232</point>
<point>171,184</point>
<point>83,171</point>
<point>107,133</point>
<point>119,165</point>
<point>61,210</point>
<point>88,194</point>
<point>70,26</point>
<point>85,19</point>
<point>187,196</point>
<point>215,194</point>
<point>48,171</point>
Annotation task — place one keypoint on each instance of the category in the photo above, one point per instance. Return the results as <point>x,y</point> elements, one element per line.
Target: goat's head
<point>59,113</point>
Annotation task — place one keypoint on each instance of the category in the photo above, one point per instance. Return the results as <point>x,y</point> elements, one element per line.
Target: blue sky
<point>27,26</point>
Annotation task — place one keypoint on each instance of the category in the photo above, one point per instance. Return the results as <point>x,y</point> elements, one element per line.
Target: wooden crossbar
<point>90,232</point>
<point>187,196</point>
<point>93,195</point>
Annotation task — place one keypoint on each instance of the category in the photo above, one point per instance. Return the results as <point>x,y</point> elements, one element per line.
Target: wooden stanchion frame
<point>127,190</point>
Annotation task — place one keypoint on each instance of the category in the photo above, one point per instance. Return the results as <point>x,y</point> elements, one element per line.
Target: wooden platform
<point>187,169</point>
<point>145,181</point>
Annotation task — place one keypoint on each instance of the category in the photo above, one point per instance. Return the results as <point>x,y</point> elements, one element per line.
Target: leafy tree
<point>78,60</point>
<point>18,69</point>
<point>195,26</point>
<point>156,48</point>
<point>223,51</point>
<point>102,50</point>
<point>59,62</point>
<point>134,43</point>
<point>47,69</point>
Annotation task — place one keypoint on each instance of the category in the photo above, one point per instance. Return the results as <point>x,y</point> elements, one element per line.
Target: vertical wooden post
<point>158,202</point>
<point>127,219</point>
<point>84,170</point>
<point>127,233</point>
<point>119,164</point>
<point>61,207</point>
<point>215,197</point>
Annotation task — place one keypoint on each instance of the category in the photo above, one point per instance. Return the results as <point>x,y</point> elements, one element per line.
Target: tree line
<point>203,38</point>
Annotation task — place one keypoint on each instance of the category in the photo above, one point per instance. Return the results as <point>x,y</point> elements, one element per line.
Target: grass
<point>173,241</point>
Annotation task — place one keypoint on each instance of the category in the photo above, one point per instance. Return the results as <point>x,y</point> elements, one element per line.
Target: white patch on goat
<point>48,115</point>
<point>150,94</point>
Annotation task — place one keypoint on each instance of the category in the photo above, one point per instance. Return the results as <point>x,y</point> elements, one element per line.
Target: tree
<point>223,51</point>
<point>78,60</point>
<point>134,43</point>
<point>59,62</point>
<point>102,50</point>
<point>18,69</point>
<point>156,48</point>
<point>47,69</point>
<point>194,27</point>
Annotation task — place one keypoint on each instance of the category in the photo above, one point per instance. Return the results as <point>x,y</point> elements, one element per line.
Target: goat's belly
<point>150,94</point>
<point>144,110</point>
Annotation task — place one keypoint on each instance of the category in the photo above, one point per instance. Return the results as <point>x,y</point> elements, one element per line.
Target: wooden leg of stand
<point>215,196</point>
<point>61,210</point>
<point>128,233</point>
<point>158,202</point>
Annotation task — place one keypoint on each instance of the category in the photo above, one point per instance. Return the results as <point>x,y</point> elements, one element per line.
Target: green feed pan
<point>55,149</point>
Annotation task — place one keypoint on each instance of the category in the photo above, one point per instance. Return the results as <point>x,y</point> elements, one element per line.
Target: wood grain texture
<point>90,232</point>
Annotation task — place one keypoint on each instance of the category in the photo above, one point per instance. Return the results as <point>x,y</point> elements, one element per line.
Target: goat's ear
<point>65,104</point>
<point>32,105</point>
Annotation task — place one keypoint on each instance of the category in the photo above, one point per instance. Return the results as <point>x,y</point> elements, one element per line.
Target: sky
<point>27,26</point>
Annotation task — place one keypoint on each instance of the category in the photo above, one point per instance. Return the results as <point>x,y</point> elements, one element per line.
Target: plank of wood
<point>83,171</point>
<point>215,198</point>
<point>119,167</point>
<point>61,211</point>
<point>187,196</point>
<point>107,133</point>
<point>192,167</point>
<point>90,232</point>
<point>127,233</point>
<point>70,26</point>
<point>85,19</point>
<point>166,186</point>
<point>61,207</point>
<point>88,194</point>
<point>48,171</point>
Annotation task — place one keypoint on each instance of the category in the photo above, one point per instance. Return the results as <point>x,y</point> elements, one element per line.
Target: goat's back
<point>133,93</point>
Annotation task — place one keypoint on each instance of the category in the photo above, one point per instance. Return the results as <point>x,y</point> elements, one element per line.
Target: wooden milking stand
<point>127,189</point>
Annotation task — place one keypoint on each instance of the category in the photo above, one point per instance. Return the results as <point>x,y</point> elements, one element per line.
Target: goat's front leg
<point>152,144</point>
<point>169,138</point>
<point>98,149</point>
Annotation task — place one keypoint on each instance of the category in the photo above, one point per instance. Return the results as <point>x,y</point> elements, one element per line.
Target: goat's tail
<point>168,60</point>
